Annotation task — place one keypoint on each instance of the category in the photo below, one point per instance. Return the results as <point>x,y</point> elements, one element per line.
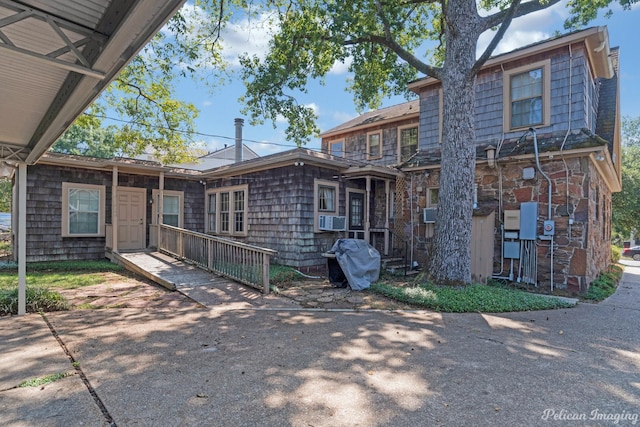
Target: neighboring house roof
<point>215,159</point>
<point>375,118</point>
<point>56,58</point>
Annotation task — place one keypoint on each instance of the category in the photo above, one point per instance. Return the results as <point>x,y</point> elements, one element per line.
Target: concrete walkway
<point>292,367</point>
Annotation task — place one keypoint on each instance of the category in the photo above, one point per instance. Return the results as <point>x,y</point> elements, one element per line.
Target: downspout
<point>535,147</point>
<point>411,216</point>
<point>566,135</point>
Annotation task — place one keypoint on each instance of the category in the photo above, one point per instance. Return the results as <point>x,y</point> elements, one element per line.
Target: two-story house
<point>548,159</point>
<point>543,209</point>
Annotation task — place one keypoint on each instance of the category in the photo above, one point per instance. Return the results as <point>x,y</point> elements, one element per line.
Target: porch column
<point>386,217</point>
<point>22,238</point>
<point>114,210</point>
<point>160,218</point>
<point>367,204</point>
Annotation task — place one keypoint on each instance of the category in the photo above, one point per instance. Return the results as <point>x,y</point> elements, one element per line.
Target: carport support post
<point>22,238</point>
<point>160,207</point>
<point>114,210</point>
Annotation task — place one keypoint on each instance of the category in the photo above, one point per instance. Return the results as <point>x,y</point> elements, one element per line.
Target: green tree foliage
<point>626,204</point>
<point>5,195</point>
<point>143,98</point>
<point>383,43</point>
<point>86,137</point>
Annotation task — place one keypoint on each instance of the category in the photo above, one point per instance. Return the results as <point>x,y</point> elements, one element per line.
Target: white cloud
<point>341,67</point>
<point>207,103</point>
<point>527,29</point>
<point>247,36</point>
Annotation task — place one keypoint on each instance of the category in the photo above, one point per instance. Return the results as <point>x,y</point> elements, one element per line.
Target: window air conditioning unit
<point>429,215</point>
<point>332,223</point>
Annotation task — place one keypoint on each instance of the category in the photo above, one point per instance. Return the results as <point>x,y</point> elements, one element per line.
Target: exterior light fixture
<point>491,156</point>
<point>6,169</point>
<point>599,156</point>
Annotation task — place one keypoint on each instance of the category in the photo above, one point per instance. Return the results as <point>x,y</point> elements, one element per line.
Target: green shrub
<point>605,284</point>
<point>616,253</point>
<point>37,299</point>
<point>280,275</point>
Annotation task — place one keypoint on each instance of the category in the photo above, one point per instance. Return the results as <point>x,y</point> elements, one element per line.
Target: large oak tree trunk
<point>451,253</point>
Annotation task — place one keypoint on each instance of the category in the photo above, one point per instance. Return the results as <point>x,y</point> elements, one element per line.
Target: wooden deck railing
<point>238,261</point>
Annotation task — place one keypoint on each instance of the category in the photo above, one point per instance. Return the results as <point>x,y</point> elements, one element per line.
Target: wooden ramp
<point>202,286</point>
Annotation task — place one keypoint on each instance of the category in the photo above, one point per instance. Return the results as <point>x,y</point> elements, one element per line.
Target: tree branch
<point>390,42</point>
<point>523,9</point>
<point>506,22</point>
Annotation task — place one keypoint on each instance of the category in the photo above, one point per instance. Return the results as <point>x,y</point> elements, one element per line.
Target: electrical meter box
<point>549,227</point>
<point>512,219</point>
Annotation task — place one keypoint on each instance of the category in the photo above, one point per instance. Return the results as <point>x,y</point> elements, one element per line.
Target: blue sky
<point>334,105</point>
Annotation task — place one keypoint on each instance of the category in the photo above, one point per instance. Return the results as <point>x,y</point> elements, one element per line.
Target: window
<point>325,200</point>
<point>172,207</point>
<point>227,210</point>
<point>407,142</point>
<point>336,148</point>
<point>374,145</point>
<point>432,197</point>
<point>526,91</point>
<point>83,210</point>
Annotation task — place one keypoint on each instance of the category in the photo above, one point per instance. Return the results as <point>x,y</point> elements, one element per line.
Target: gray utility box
<point>529,221</point>
<point>511,250</point>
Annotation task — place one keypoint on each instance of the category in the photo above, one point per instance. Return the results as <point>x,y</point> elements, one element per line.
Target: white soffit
<point>56,56</point>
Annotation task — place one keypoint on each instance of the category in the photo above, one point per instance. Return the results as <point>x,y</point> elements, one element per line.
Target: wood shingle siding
<point>281,213</point>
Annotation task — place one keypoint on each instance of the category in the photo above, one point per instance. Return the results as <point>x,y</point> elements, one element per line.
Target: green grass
<point>604,285</point>
<point>43,281</point>
<point>472,298</point>
<point>40,381</point>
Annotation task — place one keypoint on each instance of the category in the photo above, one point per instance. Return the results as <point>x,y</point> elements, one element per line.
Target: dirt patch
<point>322,294</point>
<point>125,291</point>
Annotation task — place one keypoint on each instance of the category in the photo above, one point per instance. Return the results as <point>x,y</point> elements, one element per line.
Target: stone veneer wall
<point>581,249</point>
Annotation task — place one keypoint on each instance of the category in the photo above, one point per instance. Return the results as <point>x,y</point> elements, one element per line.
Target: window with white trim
<point>227,210</point>
<point>527,96</point>
<point>374,145</point>
<point>172,207</point>
<point>83,210</point>
<point>325,199</point>
<point>407,142</point>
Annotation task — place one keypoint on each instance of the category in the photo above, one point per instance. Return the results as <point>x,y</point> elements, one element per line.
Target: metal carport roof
<point>56,56</point>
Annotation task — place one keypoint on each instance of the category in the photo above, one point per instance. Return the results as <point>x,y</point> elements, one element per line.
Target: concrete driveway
<point>297,367</point>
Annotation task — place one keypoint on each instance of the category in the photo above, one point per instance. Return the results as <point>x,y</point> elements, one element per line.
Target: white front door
<point>132,218</point>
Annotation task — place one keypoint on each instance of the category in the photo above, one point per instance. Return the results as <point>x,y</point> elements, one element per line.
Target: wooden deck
<point>204,287</point>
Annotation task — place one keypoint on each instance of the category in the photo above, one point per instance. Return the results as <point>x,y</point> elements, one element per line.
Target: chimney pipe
<point>239,123</point>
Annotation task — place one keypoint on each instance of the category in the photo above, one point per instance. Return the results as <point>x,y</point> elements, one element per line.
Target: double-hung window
<point>172,207</point>
<point>407,142</point>
<point>83,210</point>
<point>527,96</point>
<point>374,145</point>
<point>325,200</point>
<point>227,210</point>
